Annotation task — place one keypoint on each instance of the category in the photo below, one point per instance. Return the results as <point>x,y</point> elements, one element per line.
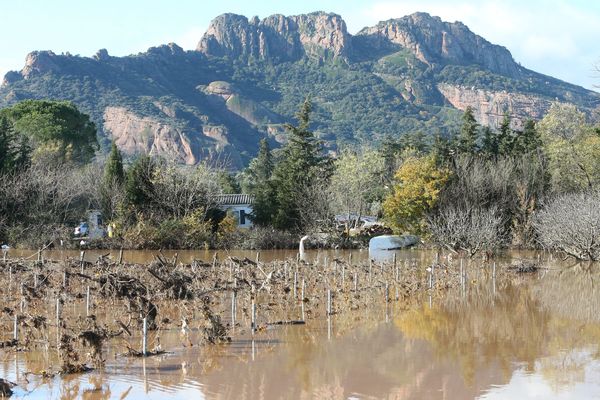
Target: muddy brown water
<point>536,336</point>
<point>187,256</point>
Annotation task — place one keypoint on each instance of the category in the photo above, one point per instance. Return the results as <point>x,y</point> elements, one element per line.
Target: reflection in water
<point>528,337</point>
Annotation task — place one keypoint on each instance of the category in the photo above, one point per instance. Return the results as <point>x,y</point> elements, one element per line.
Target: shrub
<point>571,223</point>
<point>467,229</point>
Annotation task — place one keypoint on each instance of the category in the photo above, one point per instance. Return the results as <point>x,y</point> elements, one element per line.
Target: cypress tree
<point>505,137</point>
<point>113,170</point>
<point>489,142</point>
<point>138,183</point>
<point>262,188</point>
<point>14,148</point>
<point>440,150</point>
<point>529,140</point>
<point>228,183</point>
<point>388,150</point>
<point>467,139</point>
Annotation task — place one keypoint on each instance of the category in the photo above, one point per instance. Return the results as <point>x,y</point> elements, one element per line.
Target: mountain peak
<point>404,75</point>
<point>279,38</point>
<point>436,42</point>
<point>320,35</point>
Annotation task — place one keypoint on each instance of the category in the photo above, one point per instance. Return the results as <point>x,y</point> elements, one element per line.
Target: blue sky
<point>555,37</point>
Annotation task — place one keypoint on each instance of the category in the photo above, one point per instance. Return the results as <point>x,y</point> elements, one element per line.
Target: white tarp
<point>392,242</point>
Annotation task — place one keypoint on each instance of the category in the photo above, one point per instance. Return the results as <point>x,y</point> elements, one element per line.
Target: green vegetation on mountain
<point>247,78</point>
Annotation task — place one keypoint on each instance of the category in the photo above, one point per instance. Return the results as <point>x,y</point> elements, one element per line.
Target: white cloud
<point>555,37</point>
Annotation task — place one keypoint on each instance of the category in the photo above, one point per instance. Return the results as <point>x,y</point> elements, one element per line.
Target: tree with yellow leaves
<point>418,183</point>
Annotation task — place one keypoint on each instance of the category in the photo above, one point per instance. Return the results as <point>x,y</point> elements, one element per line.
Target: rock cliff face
<point>436,42</point>
<point>38,63</point>
<point>254,113</point>
<point>248,77</point>
<point>279,38</point>
<point>489,106</point>
<point>134,135</point>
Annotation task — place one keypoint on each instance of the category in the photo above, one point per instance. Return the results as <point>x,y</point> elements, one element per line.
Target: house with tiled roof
<point>239,205</point>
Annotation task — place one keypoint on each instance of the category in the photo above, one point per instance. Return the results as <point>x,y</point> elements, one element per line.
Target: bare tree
<point>314,207</point>
<point>179,191</point>
<point>40,203</point>
<point>571,223</point>
<point>467,229</point>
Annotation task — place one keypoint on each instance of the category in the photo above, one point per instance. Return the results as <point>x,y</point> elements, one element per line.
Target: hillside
<point>248,76</point>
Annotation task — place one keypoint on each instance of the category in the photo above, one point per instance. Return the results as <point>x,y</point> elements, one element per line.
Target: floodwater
<point>187,256</point>
<point>535,336</point>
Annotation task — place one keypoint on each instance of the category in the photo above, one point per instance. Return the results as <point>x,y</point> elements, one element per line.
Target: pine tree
<point>467,139</point>
<point>302,163</point>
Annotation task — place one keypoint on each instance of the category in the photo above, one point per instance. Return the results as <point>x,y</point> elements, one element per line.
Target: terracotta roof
<point>234,199</point>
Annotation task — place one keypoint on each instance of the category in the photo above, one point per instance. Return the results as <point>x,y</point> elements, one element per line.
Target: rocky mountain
<point>247,77</point>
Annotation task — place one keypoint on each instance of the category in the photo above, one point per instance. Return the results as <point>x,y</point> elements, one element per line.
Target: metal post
<point>58,311</point>
<point>253,322</point>
<point>302,295</point>
<point>16,328</point>
<point>81,257</point>
<point>87,302</point>
<point>145,337</point>
<point>295,285</point>
<point>430,279</point>
<point>387,292</point>
<point>233,308</point>
<point>463,275</point>
<point>120,256</point>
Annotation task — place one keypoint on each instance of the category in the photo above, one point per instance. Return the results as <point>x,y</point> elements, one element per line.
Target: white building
<point>240,205</point>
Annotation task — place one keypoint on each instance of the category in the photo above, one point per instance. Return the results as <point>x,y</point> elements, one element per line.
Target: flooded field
<point>187,256</point>
<point>371,330</point>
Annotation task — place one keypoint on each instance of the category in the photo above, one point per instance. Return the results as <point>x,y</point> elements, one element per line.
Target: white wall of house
<point>241,213</point>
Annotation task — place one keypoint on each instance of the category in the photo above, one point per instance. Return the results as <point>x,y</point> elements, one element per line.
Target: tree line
<point>477,189</point>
